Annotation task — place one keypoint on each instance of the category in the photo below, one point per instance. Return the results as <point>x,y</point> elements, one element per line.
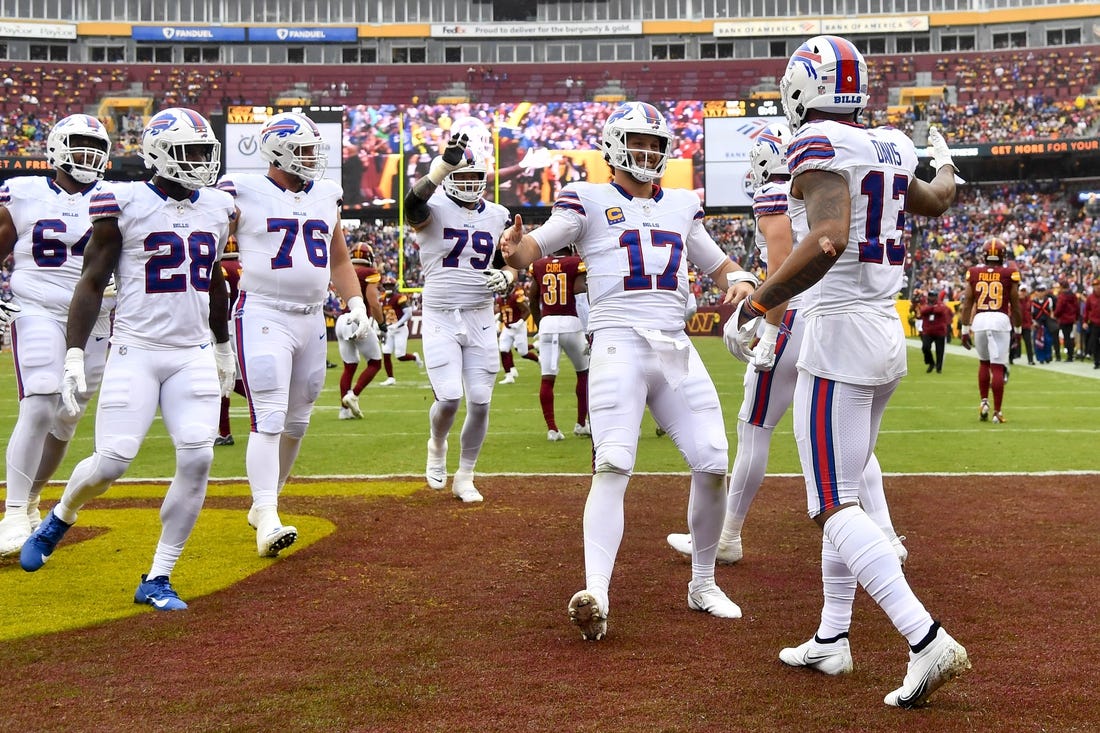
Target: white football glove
<point>227,367</point>
<point>110,291</point>
<point>357,314</point>
<point>938,150</point>
<point>739,340</point>
<point>73,381</point>
<point>499,281</point>
<point>763,355</point>
<point>8,310</point>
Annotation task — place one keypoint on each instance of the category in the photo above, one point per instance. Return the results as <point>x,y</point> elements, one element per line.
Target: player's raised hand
<point>511,237</point>
<point>454,154</point>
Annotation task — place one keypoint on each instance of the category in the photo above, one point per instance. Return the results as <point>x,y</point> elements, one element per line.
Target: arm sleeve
<point>562,228</point>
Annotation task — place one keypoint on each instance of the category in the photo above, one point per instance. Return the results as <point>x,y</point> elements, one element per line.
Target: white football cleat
<point>508,379</point>
<point>705,595</point>
<point>272,536</point>
<point>419,360</point>
<point>15,529</point>
<point>351,401</point>
<point>436,469</point>
<point>931,668</point>
<point>554,435</point>
<point>832,658</point>
<point>729,552</point>
<point>388,382</point>
<point>585,429</point>
<point>586,614</point>
<point>345,414</point>
<point>463,487</point>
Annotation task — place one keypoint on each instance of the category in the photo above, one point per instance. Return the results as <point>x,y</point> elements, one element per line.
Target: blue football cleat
<point>158,593</point>
<point>40,545</point>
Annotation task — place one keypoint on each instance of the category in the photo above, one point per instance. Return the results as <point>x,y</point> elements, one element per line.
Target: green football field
<point>931,425</point>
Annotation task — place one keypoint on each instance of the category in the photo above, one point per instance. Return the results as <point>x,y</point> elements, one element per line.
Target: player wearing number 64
<point>636,239</point>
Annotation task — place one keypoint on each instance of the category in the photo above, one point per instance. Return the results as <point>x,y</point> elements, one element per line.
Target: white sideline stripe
<point>685,474</point>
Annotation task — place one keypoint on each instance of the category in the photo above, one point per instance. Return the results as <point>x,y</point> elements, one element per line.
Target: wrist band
<point>752,309</point>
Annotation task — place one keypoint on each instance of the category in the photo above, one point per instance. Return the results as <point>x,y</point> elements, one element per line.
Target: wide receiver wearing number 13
<point>636,239</point>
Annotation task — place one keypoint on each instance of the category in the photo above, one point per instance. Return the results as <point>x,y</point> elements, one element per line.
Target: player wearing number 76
<point>291,246</point>
<point>636,239</point>
<point>162,239</point>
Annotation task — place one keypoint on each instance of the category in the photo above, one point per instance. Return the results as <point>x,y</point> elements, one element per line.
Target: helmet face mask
<point>79,145</point>
<point>292,142</point>
<point>468,183</point>
<point>768,156</point>
<point>826,73</point>
<point>637,118</point>
<point>180,146</point>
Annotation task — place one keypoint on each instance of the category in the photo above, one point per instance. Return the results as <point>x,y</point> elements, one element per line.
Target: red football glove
<point>967,344</point>
<point>1014,342</point>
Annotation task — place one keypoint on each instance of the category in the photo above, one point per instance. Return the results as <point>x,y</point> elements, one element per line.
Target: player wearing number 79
<point>636,239</point>
<point>457,231</point>
<point>291,245</point>
<point>162,239</point>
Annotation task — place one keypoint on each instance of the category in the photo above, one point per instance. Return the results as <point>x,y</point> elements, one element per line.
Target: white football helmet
<point>466,188</point>
<point>768,156</point>
<point>636,117</point>
<point>293,143</point>
<point>179,144</point>
<point>85,160</point>
<point>826,73</point>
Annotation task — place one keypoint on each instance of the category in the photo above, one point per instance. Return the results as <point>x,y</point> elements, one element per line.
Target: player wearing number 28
<point>636,239</point>
<point>291,245</point>
<point>44,224</point>
<point>163,240</point>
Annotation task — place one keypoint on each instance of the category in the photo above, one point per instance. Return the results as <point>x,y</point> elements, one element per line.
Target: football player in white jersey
<point>44,224</point>
<point>636,239</point>
<point>457,230</point>
<point>291,246</point>
<point>771,376</point>
<point>162,240</point>
<point>850,189</point>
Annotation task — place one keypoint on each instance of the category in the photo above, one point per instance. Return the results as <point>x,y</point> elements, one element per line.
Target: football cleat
<point>40,545</point>
<point>705,595</point>
<point>388,382</point>
<point>419,360</point>
<point>463,487</point>
<point>345,414</point>
<point>436,469</point>
<point>585,429</point>
<point>158,593</point>
<point>508,379</point>
<point>832,658</point>
<point>15,529</point>
<point>729,552</point>
<point>351,401</point>
<point>941,661</point>
<point>998,417</point>
<point>224,440</point>
<point>586,614</point>
<point>554,435</point>
<point>983,411</point>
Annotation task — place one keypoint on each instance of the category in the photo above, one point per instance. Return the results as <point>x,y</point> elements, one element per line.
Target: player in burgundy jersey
<point>231,271</point>
<point>557,282</point>
<point>991,310</point>
<point>367,346</point>
<point>398,309</point>
<point>513,309</point>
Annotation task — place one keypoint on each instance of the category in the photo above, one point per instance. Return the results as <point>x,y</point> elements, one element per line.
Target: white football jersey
<point>284,237</point>
<point>635,250</point>
<point>771,200</point>
<point>169,248</point>
<point>863,341</point>
<point>457,246</point>
<point>52,229</point>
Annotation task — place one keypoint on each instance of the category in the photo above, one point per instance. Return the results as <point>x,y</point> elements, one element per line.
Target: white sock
<point>706,508</point>
<point>872,560</point>
<point>603,529</point>
<point>749,467</point>
<point>262,465</point>
<point>839,589</point>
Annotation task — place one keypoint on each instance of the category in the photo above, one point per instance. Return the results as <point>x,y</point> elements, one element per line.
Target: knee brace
<point>614,459</point>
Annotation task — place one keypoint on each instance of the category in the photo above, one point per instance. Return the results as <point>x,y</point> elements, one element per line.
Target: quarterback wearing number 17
<point>636,239</point>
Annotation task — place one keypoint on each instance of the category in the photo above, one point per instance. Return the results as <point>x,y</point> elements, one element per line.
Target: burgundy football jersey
<point>556,277</point>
